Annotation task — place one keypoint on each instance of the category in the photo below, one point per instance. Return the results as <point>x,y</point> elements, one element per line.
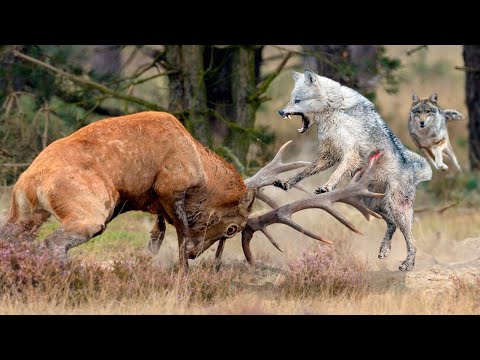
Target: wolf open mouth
<point>306,123</point>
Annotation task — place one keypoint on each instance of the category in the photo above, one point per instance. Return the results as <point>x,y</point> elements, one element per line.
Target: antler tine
<point>351,195</point>
<point>268,174</point>
<point>269,201</point>
<point>266,199</point>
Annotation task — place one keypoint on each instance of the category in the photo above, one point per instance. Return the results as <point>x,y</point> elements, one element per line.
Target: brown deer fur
<point>145,161</point>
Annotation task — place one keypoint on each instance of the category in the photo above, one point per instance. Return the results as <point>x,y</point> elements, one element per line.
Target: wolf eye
<point>297,100</point>
<point>232,230</point>
<point>427,111</point>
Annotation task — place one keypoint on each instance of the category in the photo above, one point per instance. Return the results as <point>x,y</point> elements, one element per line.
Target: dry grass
<point>122,278</point>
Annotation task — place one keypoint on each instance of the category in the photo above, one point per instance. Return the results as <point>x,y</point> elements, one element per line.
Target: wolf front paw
<point>323,189</point>
<point>285,185</point>
<point>384,251</point>
<point>443,167</point>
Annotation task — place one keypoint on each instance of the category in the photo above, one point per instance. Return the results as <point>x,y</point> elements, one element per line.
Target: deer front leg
<point>181,225</point>
<point>318,165</point>
<point>350,163</point>
<point>157,235</point>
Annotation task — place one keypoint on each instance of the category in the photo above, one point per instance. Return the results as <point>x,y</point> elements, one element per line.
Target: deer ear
<point>415,98</point>
<point>310,77</point>
<point>246,203</point>
<point>296,75</point>
<point>433,98</point>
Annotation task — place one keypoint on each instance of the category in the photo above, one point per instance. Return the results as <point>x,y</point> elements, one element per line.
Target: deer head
<point>351,195</point>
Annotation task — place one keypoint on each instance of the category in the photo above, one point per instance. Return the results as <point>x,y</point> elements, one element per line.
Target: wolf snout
<point>422,124</point>
<point>281,112</point>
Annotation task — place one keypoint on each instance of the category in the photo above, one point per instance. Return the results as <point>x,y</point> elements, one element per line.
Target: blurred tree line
<point>50,91</point>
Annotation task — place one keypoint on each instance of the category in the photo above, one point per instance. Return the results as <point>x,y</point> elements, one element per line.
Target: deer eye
<point>297,100</point>
<point>232,230</point>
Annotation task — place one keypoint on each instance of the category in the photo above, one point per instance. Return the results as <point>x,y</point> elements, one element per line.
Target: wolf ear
<point>433,98</point>
<point>296,75</point>
<point>310,77</point>
<point>415,98</point>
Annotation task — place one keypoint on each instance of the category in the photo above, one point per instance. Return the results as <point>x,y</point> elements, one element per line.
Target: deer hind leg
<point>157,235</point>
<point>402,211</point>
<point>71,234</point>
<point>83,211</point>
<point>25,228</point>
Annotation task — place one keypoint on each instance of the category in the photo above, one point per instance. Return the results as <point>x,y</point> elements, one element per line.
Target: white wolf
<point>349,128</point>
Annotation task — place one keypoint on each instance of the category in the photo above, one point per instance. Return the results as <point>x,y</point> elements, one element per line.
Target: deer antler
<point>268,174</point>
<point>351,194</point>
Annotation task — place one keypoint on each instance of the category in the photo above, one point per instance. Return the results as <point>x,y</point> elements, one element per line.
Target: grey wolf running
<point>349,128</point>
<point>427,125</point>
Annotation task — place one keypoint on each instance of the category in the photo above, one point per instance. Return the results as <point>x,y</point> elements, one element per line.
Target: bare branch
<point>467,69</point>
<point>415,49</point>
<point>438,209</point>
<point>89,83</point>
<point>263,86</point>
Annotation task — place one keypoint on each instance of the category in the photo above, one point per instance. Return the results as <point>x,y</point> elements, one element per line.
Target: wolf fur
<point>349,128</point>
<point>427,125</point>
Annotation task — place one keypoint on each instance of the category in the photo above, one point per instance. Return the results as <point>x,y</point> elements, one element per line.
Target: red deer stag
<point>149,162</point>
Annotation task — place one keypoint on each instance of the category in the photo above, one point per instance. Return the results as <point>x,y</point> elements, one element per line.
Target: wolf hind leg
<point>402,211</point>
<point>386,244</point>
<point>449,152</point>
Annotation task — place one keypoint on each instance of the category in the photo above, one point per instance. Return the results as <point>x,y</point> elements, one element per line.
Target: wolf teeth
<point>289,116</point>
<point>300,130</point>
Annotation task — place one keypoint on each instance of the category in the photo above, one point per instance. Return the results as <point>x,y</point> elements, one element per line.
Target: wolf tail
<point>453,115</point>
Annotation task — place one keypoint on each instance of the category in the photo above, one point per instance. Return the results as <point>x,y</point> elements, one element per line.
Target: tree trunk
<point>218,82</point>
<point>106,61</point>
<point>212,89</point>
<point>352,65</point>
<point>364,61</point>
<point>323,59</point>
<point>471,56</point>
<point>243,85</point>
<point>187,94</point>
